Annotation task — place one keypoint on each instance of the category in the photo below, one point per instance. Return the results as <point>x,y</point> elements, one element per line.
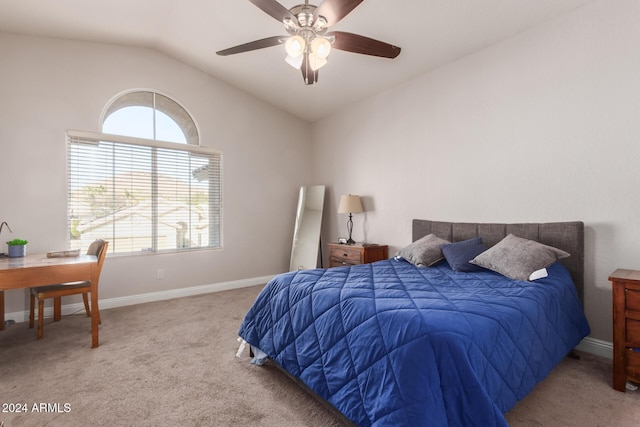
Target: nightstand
<point>626,327</point>
<point>360,253</point>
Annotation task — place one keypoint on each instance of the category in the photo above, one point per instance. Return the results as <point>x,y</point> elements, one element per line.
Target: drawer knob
<point>345,255</point>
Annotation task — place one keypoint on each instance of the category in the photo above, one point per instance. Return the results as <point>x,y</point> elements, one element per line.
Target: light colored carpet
<point>173,363</point>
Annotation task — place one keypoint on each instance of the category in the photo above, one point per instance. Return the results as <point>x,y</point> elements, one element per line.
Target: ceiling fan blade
<point>254,45</point>
<point>274,9</point>
<point>360,44</point>
<point>335,10</point>
<point>308,74</point>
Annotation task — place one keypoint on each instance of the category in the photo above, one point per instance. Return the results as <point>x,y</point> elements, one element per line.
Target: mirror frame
<point>306,234</point>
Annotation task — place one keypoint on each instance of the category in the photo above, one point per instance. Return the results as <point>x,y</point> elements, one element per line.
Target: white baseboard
<point>104,304</point>
<point>597,347</point>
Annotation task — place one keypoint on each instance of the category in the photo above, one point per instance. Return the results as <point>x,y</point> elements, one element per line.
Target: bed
<point>398,343</point>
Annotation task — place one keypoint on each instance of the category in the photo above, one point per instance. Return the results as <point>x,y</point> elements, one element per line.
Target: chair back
<point>99,249</point>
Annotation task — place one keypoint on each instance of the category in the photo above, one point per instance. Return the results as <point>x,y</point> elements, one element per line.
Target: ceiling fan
<point>309,43</point>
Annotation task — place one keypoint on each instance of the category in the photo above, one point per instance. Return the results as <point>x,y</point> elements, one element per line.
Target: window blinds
<point>142,195</point>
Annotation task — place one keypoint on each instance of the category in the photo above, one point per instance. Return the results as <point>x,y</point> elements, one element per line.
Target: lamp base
<point>350,241</point>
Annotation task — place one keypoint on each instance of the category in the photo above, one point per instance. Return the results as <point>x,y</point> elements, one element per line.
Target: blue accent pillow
<point>459,254</point>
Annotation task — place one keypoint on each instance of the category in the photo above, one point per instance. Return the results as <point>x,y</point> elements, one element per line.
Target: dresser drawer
<point>632,298</point>
<point>633,332</point>
<point>625,286</point>
<point>345,255</point>
<point>633,364</point>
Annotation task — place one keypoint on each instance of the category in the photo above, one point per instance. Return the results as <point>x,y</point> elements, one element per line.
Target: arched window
<point>144,183</point>
<point>150,115</point>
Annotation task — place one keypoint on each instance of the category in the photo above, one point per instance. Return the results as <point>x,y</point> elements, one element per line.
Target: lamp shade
<point>295,46</point>
<point>350,204</point>
<point>321,47</point>
<point>315,62</point>
<point>295,61</point>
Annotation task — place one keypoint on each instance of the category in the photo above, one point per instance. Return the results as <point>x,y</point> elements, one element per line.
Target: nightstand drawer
<point>633,332</point>
<point>345,255</point>
<point>359,253</point>
<point>632,300</point>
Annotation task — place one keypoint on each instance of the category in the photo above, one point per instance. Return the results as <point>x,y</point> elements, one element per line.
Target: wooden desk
<point>38,270</point>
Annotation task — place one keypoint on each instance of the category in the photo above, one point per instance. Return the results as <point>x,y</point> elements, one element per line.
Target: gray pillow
<point>424,252</point>
<point>517,258</point>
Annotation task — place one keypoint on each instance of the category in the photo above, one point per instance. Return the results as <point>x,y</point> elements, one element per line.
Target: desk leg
<point>1,310</point>
<point>95,314</point>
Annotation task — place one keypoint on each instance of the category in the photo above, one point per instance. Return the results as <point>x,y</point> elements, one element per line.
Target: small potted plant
<point>17,247</point>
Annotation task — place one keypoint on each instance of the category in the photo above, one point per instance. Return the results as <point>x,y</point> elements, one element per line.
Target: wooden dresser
<point>626,327</point>
<point>360,253</point>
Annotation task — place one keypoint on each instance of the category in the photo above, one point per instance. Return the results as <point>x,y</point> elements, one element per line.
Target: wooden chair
<point>97,248</point>
<point>1,310</point>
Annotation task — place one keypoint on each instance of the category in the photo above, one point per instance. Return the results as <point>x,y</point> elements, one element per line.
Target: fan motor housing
<point>304,14</point>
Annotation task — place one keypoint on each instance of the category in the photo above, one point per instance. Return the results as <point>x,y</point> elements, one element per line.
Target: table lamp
<point>350,204</point>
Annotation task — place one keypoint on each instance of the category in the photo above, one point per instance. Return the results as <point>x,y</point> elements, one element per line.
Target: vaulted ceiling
<point>430,32</point>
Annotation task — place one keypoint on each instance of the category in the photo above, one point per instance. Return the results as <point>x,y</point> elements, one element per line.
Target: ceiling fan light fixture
<point>295,46</point>
<point>316,62</point>
<point>321,47</point>
<point>295,62</point>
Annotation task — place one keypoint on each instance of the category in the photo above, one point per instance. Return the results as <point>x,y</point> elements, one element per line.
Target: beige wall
<point>48,86</point>
<point>544,126</point>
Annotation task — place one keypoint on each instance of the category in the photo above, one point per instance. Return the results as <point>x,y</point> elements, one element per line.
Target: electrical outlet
<point>160,274</point>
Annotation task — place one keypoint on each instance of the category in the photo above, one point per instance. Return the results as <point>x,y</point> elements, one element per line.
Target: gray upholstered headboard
<point>568,236</point>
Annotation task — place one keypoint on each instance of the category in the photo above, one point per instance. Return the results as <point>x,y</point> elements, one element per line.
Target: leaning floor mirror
<point>306,234</point>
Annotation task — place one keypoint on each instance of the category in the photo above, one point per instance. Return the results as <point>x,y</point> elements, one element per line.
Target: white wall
<point>542,127</point>
<point>49,85</point>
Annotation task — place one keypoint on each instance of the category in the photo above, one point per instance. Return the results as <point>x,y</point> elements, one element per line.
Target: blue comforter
<point>392,344</point>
